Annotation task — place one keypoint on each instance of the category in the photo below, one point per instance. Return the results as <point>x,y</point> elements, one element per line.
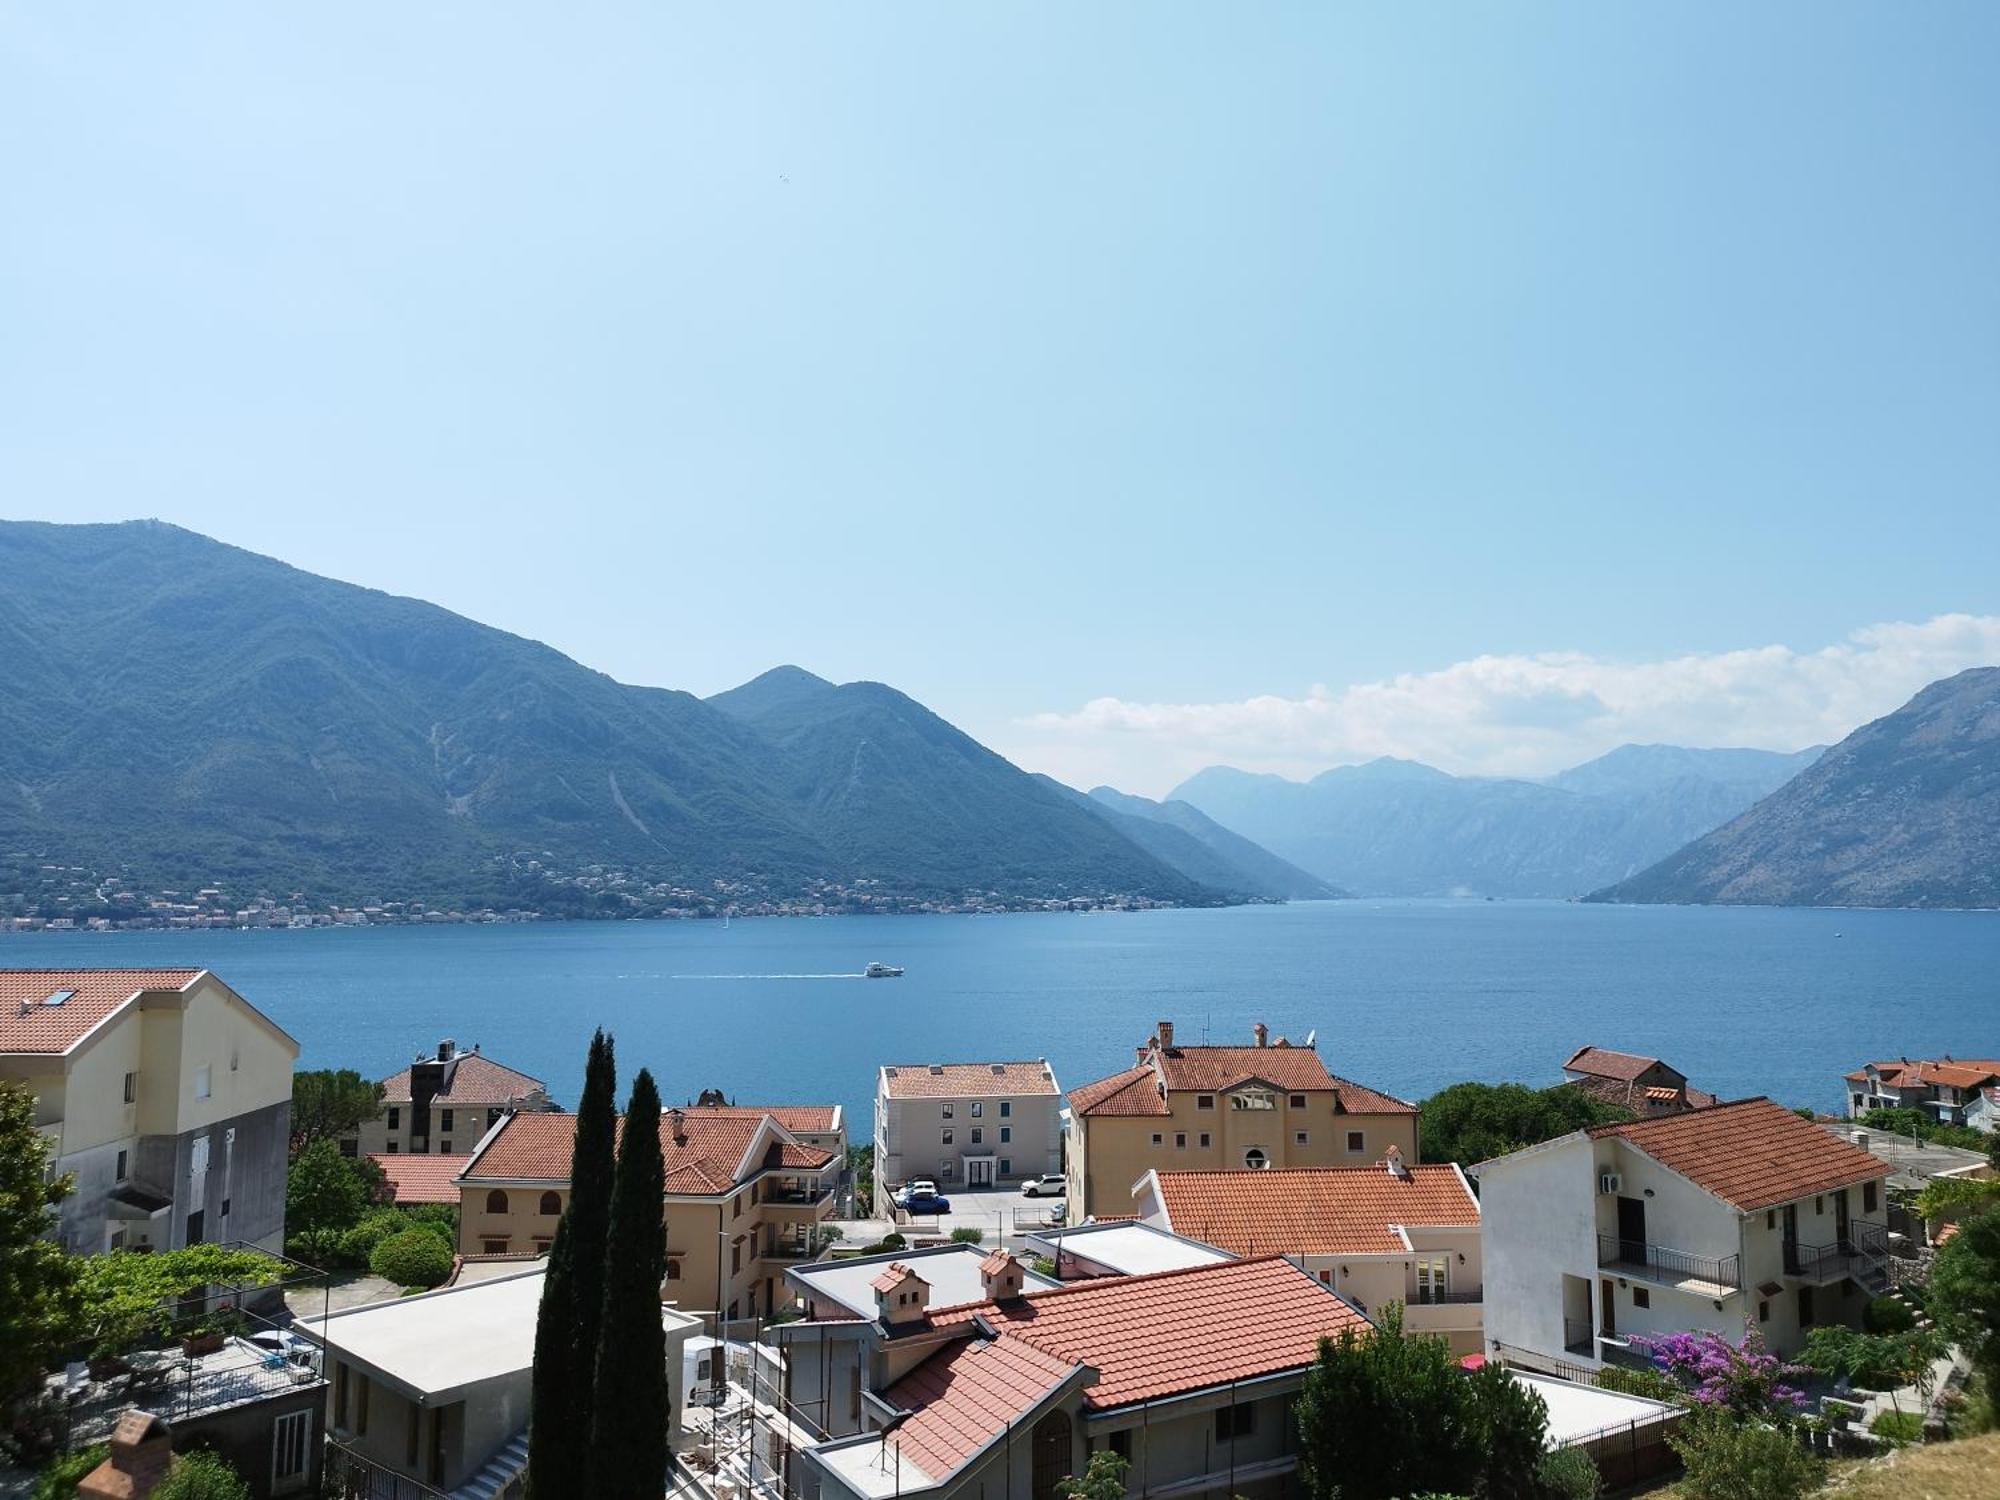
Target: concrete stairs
<point>499,1471</point>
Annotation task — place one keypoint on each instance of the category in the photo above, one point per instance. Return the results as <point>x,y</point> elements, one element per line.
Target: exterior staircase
<point>500,1471</point>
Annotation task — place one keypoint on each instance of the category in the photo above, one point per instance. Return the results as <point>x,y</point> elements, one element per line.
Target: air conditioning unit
<point>1610,1182</point>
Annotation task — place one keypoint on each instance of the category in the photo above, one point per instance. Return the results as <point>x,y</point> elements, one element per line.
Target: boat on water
<point>881,971</point>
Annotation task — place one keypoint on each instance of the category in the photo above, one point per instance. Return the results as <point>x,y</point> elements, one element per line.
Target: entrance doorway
<point>979,1171</point>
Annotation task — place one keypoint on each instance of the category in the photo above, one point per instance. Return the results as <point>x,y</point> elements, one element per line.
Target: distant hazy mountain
<point>1396,827</point>
<point>179,713</point>
<point>1199,847</point>
<point>1903,812</point>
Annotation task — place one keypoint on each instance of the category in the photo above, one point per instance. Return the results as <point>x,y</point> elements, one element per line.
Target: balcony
<point>1862,1255</point>
<point>789,1249</point>
<point>1702,1275</point>
<point>798,1201</point>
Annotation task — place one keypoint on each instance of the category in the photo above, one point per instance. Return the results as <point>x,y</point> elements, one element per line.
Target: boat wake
<point>767,976</point>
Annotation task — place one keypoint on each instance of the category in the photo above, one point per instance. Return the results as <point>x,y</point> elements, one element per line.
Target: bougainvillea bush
<point>1743,1379</point>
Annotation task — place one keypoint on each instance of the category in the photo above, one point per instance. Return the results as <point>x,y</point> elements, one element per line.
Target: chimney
<point>141,1450</point>
<point>1393,1160</point>
<point>1000,1276</point>
<point>1262,1033</point>
<point>677,1125</point>
<point>447,1049</point>
<point>1164,1031</point>
<point>901,1296</point>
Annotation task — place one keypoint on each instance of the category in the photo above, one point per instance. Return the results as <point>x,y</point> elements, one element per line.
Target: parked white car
<point>1048,1185</point>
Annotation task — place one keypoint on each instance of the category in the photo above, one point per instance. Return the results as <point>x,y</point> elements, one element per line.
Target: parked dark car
<point>926,1203</point>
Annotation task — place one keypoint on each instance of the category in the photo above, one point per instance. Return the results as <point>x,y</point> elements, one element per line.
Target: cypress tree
<point>573,1285</point>
<point>629,1406</point>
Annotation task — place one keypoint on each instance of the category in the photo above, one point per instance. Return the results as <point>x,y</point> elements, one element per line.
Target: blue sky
<point>1176,360</point>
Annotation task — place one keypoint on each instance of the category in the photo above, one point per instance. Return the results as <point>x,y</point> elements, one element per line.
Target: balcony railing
<point>799,1196</point>
<point>1663,1263</point>
<point>1862,1252</point>
<point>789,1250</point>
<point>1456,1297</point>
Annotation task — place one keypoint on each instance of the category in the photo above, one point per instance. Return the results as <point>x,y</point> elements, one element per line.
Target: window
<point>947,1108</point>
<point>203,1081</point>
<point>393,1148</point>
<point>1180,1140</point>
<point>1770,1218</point>
<point>444,1122</point>
<point>1232,1422</point>
<point>673,1269</point>
<point>1819,1204</point>
<point>1297,1101</point>
<point>1204,1101</point>
<point>444,1146</point>
<point>493,1247</point>
<point>350,1147</point>
<point>123,1159</point>
<point>1253,1099</point>
<point>1121,1444</point>
<point>131,1088</point>
<point>496,1202</point>
<point>1158,1138</point>
<point>289,1436</point>
<point>979,1135</point>
<point>1763,1312</point>
<point>1204,1140</point>
<point>1255,1159</point>
<point>1006,1167</point>
<point>1805,1307</point>
<point>944,1136</point>
<point>978,1109</point>
<point>493,1116</point>
<point>551,1205</point>
<point>1356,1141</point>
<point>395,1117</point>
<point>196,1226</point>
<point>1868,1197</point>
<point>1006,1134</point>
<point>225,1209</point>
<point>340,1395</point>
<point>736,1207</point>
<point>362,1386</point>
<point>1298,1137</point>
<point>1006,1109</point>
<point>1433,1278</point>
<point>735,1260</point>
<point>1641,1297</point>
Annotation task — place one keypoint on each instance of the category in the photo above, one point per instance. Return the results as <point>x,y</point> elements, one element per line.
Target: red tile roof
<point>800,1119</point>
<point>1136,1091</point>
<point>893,1277</point>
<point>1350,1098</point>
<point>964,1395</point>
<point>419,1179</point>
<point>962,1080</point>
<point>1955,1072</point>
<point>1602,1062</point>
<point>29,1024</point>
<point>1175,1331</point>
<point>1750,1153</point>
<point>1314,1211</point>
<point>538,1147</point>
<point>1643,1102</point>
<point>474,1079</point>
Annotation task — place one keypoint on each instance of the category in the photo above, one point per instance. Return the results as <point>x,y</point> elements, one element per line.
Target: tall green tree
<point>629,1405</point>
<point>38,1295</point>
<point>1964,1293</point>
<point>328,1103</point>
<point>1471,1122</point>
<point>573,1288</point>
<point>325,1194</point>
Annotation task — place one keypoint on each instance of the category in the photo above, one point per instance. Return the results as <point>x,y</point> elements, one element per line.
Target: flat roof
<point>441,1342</point>
<point>952,1272</point>
<point>1126,1249</point>
<point>1580,1411</point>
<point>871,1466</point>
<point>1913,1162</point>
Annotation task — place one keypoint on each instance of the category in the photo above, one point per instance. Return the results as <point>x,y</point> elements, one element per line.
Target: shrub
<point>968,1236</point>
<point>1569,1474</point>
<point>199,1475</point>
<point>1898,1426</point>
<point>1045,1265</point>
<point>1729,1459</point>
<point>1888,1315</point>
<point>59,1480</point>
<point>1743,1379</point>
<point>412,1257</point>
<point>1648,1383</point>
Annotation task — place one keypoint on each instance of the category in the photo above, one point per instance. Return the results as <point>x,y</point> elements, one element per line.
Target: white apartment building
<point>972,1125</point>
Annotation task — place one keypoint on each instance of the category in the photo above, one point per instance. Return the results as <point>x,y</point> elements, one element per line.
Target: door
<point>1632,1230</point>
<point>1608,1316</point>
<point>1840,1221</point>
<point>1791,1233</point>
<point>1052,1460</point>
<point>978,1173</point>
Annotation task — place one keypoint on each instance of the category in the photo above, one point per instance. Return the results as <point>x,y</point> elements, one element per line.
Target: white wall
<point>1538,1219</point>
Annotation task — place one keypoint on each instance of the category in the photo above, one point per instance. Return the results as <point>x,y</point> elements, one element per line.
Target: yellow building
<point>1181,1108</point>
<point>164,1092</point>
<point>443,1102</point>
<point>744,1200</point>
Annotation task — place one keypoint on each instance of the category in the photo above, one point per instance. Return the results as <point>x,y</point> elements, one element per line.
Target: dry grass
<point>1968,1469</point>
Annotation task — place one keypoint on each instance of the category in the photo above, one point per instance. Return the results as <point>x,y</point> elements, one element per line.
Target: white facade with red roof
<point>1962,1091</point>
<point>965,1124</point>
<point>1742,1213</point>
<point>165,1094</point>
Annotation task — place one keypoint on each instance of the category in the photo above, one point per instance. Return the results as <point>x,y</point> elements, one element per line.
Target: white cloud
<point>1517,715</point>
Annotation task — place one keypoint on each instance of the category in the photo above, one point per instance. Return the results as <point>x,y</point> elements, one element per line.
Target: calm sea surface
<point>1405,995</point>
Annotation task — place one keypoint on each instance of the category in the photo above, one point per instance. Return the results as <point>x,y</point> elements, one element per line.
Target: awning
<point>132,1200</point>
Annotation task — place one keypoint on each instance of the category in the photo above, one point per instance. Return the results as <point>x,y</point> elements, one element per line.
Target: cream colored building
<point>972,1125</point>
<point>744,1201</point>
<point>165,1093</point>
<point>444,1102</point>
<point>1377,1234</point>
<point>1212,1108</point>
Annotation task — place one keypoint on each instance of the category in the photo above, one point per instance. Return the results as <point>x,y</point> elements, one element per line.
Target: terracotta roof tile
<point>894,1276</point>
<point>28,1024</point>
<point>538,1147</point>
<point>960,1080</point>
<point>1750,1153</point>
<point>808,1119</point>
<point>475,1079</point>
<point>1956,1072</point>
<point>1135,1091</point>
<point>964,1395</point>
<point>419,1179</point>
<point>1214,1068</point>
<point>1602,1062</point>
<point>1358,1099</point>
<point>1175,1331</point>
<point>1645,1103</point>
<point>1313,1211</point>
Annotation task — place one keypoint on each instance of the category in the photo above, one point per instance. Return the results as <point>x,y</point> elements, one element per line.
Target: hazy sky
<point>1138,386</point>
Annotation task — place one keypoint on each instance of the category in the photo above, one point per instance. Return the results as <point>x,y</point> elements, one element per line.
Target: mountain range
<point>1399,828</point>
<point>1903,812</point>
<point>181,714</point>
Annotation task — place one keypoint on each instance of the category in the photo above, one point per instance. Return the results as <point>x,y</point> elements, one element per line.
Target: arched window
<point>496,1202</point>
<point>1053,1459</point>
<point>551,1204</point>
<point>1255,1159</point>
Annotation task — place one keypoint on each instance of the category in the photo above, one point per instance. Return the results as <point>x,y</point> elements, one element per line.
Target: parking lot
<point>991,1211</point>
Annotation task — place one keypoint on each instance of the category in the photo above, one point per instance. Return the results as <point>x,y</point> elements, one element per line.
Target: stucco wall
<point>909,1137</point>
<point>1538,1219</point>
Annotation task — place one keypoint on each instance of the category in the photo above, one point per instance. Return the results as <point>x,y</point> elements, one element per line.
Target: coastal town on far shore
<point>994,1282</point>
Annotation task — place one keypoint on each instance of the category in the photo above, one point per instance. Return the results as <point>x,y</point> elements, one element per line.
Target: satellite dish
<point>1310,1037</point>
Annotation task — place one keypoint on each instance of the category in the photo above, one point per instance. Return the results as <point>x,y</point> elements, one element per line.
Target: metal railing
<point>1864,1250</point>
<point>1536,1363</point>
<point>350,1476</point>
<point>797,1197</point>
<point>1665,1263</point>
<point>1455,1297</point>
